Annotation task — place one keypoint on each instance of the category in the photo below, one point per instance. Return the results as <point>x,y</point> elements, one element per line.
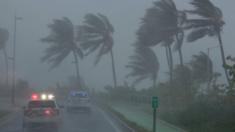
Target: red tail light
<point>47,112</point>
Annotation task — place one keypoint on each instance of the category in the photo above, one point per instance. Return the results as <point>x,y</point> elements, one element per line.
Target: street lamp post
<point>16,18</point>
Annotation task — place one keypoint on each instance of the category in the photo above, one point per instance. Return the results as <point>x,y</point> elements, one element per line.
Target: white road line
<point>109,120</point>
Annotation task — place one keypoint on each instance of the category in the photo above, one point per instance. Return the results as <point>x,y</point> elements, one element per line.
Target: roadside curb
<point>178,129</point>
<point>124,126</point>
<point>5,119</point>
<point>9,117</point>
<point>121,122</point>
<point>172,126</point>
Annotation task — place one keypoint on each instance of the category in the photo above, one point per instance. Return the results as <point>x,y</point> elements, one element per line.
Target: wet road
<point>96,121</point>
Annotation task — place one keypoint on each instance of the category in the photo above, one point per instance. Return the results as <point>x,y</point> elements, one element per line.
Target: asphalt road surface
<point>96,121</point>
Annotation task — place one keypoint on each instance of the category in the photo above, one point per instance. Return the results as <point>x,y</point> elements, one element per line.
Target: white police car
<point>41,110</point>
<point>78,100</point>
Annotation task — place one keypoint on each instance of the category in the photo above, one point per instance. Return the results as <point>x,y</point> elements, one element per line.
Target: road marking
<point>109,120</point>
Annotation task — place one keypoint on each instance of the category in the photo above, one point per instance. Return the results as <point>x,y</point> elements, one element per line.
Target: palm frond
<point>160,22</point>
<point>197,34</point>
<point>209,20</point>
<point>144,64</point>
<point>96,22</point>
<point>61,42</point>
<point>97,35</point>
<point>197,23</point>
<point>202,67</point>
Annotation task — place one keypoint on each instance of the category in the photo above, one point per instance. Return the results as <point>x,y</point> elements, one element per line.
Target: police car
<point>41,110</point>
<point>78,100</point>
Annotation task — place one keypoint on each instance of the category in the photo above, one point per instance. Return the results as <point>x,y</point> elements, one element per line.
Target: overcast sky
<point>124,15</point>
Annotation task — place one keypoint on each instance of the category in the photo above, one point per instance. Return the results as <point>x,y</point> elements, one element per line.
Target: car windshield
<point>41,104</point>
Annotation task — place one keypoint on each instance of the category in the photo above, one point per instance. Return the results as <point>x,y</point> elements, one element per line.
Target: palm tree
<point>62,40</point>
<point>161,22</point>
<point>4,36</point>
<point>202,68</point>
<point>209,23</point>
<point>167,44</point>
<point>97,34</point>
<point>144,65</point>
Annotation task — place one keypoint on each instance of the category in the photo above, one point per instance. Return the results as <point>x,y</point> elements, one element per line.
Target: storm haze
<point>125,16</point>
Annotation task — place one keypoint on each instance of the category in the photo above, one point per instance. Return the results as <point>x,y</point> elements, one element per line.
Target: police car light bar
<point>43,96</point>
<point>35,96</point>
<point>51,96</point>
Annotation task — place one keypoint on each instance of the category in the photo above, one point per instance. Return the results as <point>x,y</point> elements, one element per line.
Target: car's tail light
<point>51,112</point>
<point>47,112</point>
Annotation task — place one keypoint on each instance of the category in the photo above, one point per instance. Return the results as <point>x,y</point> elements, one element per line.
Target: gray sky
<point>124,15</point>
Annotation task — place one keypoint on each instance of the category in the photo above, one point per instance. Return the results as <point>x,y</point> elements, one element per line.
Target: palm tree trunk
<point>223,56</point>
<point>154,81</point>
<point>77,69</point>
<point>181,57</point>
<point>113,69</point>
<point>6,62</point>
<point>167,57</point>
<point>180,53</point>
<point>171,63</point>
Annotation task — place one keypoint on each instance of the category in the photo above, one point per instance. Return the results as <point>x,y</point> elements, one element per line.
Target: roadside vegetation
<point>191,97</point>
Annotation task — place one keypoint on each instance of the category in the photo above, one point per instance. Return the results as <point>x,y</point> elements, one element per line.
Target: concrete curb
<point>9,117</point>
<point>172,126</point>
<point>166,124</point>
<point>121,122</point>
<point>5,119</point>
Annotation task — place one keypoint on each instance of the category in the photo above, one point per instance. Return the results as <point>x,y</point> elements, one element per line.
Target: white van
<point>78,100</point>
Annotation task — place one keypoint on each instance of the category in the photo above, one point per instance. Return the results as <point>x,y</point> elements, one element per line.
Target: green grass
<point>140,118</point>
<point>132,124</point>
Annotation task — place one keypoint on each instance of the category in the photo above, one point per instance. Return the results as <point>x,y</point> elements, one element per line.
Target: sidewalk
<point>136,114</point>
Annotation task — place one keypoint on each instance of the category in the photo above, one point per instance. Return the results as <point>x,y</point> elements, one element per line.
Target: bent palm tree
<point>4,36</point>
<point>97,34</point>
<point>202,68</point>
<point>209,23</point>
<point>161,22</point>
<point>144,65</point>
<point>62,43</point>
<point>167,44</point>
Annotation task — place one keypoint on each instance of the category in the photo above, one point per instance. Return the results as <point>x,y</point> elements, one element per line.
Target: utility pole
<point>14,59</point>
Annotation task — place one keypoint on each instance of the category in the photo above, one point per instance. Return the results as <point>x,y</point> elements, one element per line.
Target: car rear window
<point>80,95</point>
<point>41,104</point>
